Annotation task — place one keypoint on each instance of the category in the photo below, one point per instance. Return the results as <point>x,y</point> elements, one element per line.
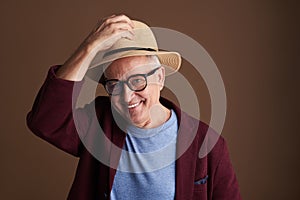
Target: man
<point>157,144</point>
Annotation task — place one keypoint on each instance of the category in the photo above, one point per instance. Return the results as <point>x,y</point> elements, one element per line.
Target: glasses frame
<point>127,82</point>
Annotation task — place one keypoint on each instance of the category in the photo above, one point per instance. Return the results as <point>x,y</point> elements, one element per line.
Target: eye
<point>139,80</point>
<point>112,85</point>
<point>136,80</point>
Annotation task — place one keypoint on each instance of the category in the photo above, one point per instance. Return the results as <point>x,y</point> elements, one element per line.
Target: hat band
<point>126,49</point>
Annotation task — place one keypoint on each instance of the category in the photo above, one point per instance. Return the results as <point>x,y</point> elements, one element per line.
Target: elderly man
<point>154,161</point>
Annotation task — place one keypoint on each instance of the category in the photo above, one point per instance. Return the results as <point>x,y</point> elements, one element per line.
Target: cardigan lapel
<point>185,151</point>
<point>118,141</point>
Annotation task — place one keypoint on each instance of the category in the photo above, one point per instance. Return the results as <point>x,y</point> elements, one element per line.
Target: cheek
<point>115,101</point>
<point>152,94</point>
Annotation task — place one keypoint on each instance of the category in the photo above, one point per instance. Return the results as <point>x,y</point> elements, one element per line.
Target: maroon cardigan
<point>52,119</point>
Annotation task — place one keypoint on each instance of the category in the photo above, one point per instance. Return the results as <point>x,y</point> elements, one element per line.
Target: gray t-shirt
<point>146,169</point>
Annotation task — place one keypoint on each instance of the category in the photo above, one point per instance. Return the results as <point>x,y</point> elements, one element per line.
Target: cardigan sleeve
<point>51,116</point>
<point>225,181</point>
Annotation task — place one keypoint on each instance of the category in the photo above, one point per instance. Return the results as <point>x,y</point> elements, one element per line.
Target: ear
<point>161,77</point>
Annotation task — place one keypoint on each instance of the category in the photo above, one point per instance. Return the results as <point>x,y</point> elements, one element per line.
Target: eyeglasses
<point>136,82</point>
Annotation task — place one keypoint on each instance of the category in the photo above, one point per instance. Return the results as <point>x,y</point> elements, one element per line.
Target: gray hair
<point>154,58</point>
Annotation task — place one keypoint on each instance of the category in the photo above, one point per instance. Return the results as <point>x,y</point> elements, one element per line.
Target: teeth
<point>133,105</point>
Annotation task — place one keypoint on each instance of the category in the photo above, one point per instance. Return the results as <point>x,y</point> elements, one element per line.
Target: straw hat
<point>143,43</point>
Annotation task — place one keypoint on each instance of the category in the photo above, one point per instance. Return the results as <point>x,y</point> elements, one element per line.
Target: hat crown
<point>143,43</point>
<point>143,38</point>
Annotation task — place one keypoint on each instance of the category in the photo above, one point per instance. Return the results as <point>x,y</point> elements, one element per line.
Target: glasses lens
<point>137,82</point>
<point>113,87</point>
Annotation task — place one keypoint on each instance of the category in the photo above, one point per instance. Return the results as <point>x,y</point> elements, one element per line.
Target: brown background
<point>255,44</point>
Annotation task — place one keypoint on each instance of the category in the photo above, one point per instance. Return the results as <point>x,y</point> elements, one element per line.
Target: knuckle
<point>106,22</point>
<point>114,31</point>
<point>110,25</point>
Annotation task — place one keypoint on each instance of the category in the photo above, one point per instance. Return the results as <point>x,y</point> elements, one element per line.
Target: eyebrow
<point>138,73</point>
<point>143,74</point>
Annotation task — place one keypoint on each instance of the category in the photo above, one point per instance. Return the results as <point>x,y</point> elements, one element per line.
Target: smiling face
<point>142,108</point>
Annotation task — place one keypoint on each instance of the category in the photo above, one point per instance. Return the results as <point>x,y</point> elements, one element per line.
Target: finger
<point>121,33</point>
<point>106,18</point>
<point>126,34</point>
<point>118,34</point>
<point>119,18</point>
<point>102,21</point>
<point>120,25</point>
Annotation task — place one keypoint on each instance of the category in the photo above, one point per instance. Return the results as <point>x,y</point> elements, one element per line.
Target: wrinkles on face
<point>137,107</point>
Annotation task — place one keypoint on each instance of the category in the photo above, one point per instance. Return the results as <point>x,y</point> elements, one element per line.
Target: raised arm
<point>51,117</point>
<point>102,37</point>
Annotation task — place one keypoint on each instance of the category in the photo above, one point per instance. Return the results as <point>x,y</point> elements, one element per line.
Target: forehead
<point>129,65</point>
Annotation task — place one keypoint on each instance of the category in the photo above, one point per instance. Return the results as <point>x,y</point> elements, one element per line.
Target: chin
<point>135,121</point>
<point>138,121</point>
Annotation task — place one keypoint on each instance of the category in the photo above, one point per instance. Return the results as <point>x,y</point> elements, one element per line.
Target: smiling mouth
<point>134,105</point>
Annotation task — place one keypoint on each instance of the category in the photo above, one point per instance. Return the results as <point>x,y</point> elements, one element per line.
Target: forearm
<point>77,65</point>
<point>51,117</point>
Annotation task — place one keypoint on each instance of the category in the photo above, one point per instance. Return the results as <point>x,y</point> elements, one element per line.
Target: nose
<point>127,93</point>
